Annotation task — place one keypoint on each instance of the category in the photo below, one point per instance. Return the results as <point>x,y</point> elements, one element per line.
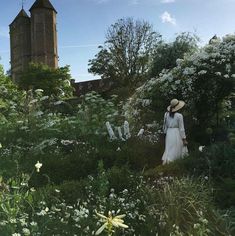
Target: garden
<point>92,165</point>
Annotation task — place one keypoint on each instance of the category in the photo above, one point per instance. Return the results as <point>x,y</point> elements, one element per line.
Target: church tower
<point>44,33</point>
<point>20,42</point>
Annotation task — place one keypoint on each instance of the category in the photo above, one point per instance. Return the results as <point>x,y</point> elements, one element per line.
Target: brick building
<point>34,38</point>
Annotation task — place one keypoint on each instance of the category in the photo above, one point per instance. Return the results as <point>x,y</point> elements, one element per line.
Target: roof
<point>42,4</point>
<point>98,85</point>
<point>22,13</point>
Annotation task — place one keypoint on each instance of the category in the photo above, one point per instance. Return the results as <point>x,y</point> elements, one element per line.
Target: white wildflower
<point>201,148</point>
<point>110,131</point>
<point>33,101</point>
<point>202,72</point>
<point>140,133</point>
<point>218,73</point>
<point>26,231</point>
<point>58,103</point>
<point>39,91</point>
<point>120,133</point>
<point>126,130</point>
<point>44,98</point>
<point>38,165</point>
<point>110,222</point>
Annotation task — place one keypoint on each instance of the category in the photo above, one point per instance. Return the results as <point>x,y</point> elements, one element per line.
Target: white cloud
<point>101,1</point>
<point>167,18</point>
<point>167,1</point>
<point>133,2</point>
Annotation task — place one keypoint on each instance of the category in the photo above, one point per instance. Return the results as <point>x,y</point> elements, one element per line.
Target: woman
<point>173,127</point>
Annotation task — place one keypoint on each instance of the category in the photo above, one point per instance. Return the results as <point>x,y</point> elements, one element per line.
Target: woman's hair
<point>171,113</point>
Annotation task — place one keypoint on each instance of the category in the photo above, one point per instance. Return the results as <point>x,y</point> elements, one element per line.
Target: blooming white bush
<point>203,79</point>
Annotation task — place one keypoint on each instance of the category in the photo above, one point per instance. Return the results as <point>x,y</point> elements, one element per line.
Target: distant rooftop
<point>42,4</point>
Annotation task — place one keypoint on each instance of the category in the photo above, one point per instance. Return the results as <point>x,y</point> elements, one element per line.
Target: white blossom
<point>201,148</point>
<point>110,131</point>
<point>38,166</point>
<point>39,91</point>
<point>120,133</point>
<point>202,72</point>
<point>127,133</point>
<point>26,231</point>
<point>140,133</point>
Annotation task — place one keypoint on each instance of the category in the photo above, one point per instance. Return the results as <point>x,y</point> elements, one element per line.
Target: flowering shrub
<point>166,206</point>
<point>204,80</point>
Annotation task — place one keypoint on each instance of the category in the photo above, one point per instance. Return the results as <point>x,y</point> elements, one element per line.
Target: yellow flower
<point>0,145</point>
<point>38,165</point>
<point>110,222</point>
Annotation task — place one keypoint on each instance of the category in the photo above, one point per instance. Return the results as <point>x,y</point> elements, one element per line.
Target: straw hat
<point>175,105</point>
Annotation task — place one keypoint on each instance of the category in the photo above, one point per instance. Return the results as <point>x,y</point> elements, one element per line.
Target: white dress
<point>174,129</point>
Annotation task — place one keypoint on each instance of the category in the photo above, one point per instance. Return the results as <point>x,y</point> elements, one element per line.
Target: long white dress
<point>174,130</point>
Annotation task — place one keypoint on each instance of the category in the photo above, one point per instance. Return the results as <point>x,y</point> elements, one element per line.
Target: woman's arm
<point>164,128</point>
<point>182,130</point>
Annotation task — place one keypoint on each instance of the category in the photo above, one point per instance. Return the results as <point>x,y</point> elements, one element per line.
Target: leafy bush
<point>164,207</point>
<point>52,81</point>
<point>204,79</point>
<point>186,208</point>
<point>216,163</point>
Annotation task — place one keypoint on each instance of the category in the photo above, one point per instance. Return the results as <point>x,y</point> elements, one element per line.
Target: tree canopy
<point>127,52</point>
<point>51,81</point>
<point>166,54</point>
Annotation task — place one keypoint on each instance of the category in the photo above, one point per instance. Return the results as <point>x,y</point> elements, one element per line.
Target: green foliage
<point>167,207</point>
<point>166,54</point>
<point>52,81</point>
<point>216,164</point>
<point>127,52</point>
<point>225,193</point>
<point>204,79</point>
<point>10,98</point>
<point>187,208</point>
<point>83,171</point>
<point>136,153</point>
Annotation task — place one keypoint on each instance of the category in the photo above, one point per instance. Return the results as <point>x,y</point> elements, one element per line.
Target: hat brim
<point>178,107</point>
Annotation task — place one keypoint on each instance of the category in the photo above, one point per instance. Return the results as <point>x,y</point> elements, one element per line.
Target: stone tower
<point>20,42</point>
<point>43,33</point>
<point>34,39</point>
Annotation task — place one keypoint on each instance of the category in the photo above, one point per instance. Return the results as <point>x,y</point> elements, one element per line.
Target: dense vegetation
<point>92,158</point>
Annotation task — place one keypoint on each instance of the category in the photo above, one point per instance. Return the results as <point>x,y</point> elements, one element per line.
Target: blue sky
<point>82,24</point>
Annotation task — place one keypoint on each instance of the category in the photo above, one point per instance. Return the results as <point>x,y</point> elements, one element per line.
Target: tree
<point>10,97</point>
<point>52,81</point>
<point>127,52</point>
<point>166,54</point>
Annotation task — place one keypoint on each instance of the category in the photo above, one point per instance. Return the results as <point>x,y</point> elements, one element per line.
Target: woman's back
<point>173,122</point>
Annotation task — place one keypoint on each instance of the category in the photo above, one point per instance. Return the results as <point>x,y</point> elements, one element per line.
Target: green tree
<point>10,96</point>
<point>166,54</point>
<point>52,81</point>
<point>127,52</point>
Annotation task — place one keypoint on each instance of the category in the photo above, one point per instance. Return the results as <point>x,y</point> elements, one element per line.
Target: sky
<point>82,24</point>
